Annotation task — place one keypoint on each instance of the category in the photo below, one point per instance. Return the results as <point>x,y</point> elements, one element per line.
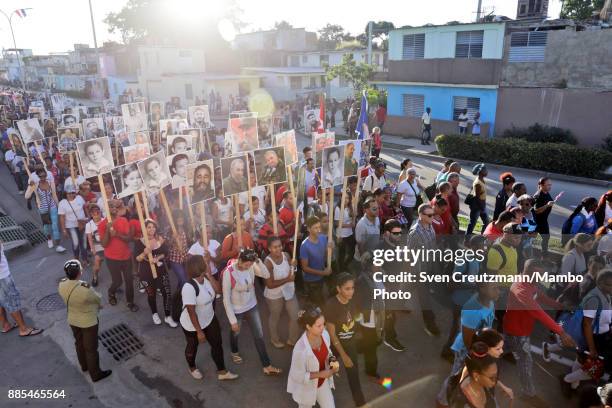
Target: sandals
<point>112,299</point>
<point>33,332</point>
<point>236,358</point>
<point>133,307</point>
<point>14,326</point>
<point>272,371</point>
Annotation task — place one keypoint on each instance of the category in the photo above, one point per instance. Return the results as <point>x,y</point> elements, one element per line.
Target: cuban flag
<point>21,12</point>
<point>362,124</point>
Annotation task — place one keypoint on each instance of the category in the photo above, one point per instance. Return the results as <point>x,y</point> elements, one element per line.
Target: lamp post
<point>98,75</point>
<point>9,18</point>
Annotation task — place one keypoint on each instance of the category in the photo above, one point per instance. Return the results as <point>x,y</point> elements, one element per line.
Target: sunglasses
<point>396,233</point>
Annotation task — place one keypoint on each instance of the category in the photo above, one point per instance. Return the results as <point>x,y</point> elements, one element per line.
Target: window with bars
<point>295,82</point>
<point>528,46</point>
<point>465,102</point>
<point>413,105</point>
<point>413,46</point>
<point>469,44</point>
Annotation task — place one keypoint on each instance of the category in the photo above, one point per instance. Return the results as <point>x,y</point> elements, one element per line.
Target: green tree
<point>356,74</point>
<point>580,9</point>
<point>330,36</point>
<point>282,25</point>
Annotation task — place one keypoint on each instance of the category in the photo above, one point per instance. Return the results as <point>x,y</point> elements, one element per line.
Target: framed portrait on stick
<point>319,142</point>
<point>68,138</point>
<point>154,172</point>
<point>352,150</point>
<point>270,167</point>
<point>96,156</point>
<point>234,175</point>
<point>93,128</point>
<point>244,134</point>
<point>177,164</point>
<point>127,180</point>
<point>332,169</point>
<point>201,181</point>
<point>134,153</point>
<point>30,130</point>
<point>287,140</point>
<point>199,117</point>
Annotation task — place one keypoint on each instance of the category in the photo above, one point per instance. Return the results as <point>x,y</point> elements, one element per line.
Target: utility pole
<point>370,24</point>
<point>93,29</point>
<point>9,18</point>
<point>479,11</point>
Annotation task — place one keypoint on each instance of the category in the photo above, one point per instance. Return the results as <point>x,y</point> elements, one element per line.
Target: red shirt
<point>135,224</point>
<point>491,233</point>
<point>117,249</point>
<point>381,114</point>
<point>286,217</point>
<point>523,310</point>
<point>321,356</point>
<point>279,194</point>
<point>453,202</point>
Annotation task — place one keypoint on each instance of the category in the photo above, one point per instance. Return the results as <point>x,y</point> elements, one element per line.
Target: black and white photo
<point>96,156</point>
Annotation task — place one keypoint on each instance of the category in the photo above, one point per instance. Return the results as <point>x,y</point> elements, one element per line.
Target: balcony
<point>446,71</point>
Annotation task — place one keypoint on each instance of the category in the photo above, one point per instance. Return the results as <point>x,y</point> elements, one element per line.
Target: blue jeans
<point>77,239</point>
<point>53,229</point>
<point>477,209</point>
<point>254,320</point>
<point>179,271</point>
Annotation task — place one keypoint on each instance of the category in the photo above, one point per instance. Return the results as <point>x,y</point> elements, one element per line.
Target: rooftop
<point>287,70</point>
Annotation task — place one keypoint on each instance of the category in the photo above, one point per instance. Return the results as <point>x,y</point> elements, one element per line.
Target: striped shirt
<point>46,200</point>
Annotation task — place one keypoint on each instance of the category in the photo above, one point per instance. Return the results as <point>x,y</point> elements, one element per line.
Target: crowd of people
<point>277,240</point>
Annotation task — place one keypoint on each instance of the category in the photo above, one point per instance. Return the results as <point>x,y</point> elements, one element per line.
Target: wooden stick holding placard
<point>42,160</point>
<point>162,196</point>
<point>145,203</point>
<point>203,228</point>
<point>191,218</point>
<point>356,198</point>
<point>180,197</point>
<point>273,202</point>
<point>116,150</point>
<point>27,169</point>
<point>238,220</point>
<point>295,234</point>
<point>144,234</point>
<point>292,187</point>
<point>104,197</point>
<point>341,220</point>
<point>330,224</point>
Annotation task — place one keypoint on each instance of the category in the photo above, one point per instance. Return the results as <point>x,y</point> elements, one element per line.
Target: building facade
<point>446,68</point>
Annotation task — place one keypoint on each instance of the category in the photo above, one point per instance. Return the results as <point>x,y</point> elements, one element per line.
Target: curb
<point>441,159</point>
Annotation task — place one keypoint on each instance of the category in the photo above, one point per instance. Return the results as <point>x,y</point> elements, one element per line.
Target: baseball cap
<point>70,189</point>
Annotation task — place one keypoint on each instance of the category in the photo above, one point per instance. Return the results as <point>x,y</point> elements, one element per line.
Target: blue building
<point>447,68</point>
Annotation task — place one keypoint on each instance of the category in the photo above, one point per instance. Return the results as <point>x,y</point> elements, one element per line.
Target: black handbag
<point>45,218</point>
<point>469,199</point>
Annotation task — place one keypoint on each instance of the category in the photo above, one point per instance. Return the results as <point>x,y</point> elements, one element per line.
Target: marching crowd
<point>220,267</point>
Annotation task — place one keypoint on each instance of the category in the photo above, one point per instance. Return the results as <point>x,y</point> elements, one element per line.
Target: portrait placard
<point>154,172</point>
<point>96,156</point>
<point>332,169</point>
<point>234,175</point>
<point>127,180</point>
<point>201,181</point>
<point>270,166</point>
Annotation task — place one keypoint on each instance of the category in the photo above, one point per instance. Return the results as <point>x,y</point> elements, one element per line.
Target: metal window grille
<point>413,105</point>
<point>469,44</point>
<point>413,46</point>
<point>528,46</point>
<point>464,102</point>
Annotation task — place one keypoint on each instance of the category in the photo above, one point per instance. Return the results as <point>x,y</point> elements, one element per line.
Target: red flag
<point>321,128</point>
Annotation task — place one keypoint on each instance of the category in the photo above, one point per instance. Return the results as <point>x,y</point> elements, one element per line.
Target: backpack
<point>177,299</point>
<point>572,322</point>
<point>229,268</point>
<point>566,229</point>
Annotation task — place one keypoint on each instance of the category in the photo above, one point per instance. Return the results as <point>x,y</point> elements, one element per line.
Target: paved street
<point>159,373</point>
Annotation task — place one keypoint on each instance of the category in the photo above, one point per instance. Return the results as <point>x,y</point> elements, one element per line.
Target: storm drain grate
<point>50,303</point>
<point>29,226</point>
<point>13,234</point>
<point>121,342</point>
<point>7,222</point>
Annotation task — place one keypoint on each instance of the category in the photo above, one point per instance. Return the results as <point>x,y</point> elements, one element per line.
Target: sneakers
<point>535,401</point>
<point>156,319</point>
<point>197,374</point>
<point>60,249</point>
<point>169,321</point>
<point>228,375</point>
<point>277,344</point>
<point>103,375</point>
<point>50,243</point>
<point>545,352</point>
<point>394,345</point>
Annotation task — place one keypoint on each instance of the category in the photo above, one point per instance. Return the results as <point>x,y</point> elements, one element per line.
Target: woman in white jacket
<point>312,363</point>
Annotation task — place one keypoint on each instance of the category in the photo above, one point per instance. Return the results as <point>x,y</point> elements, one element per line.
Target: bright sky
<point>55,25</point>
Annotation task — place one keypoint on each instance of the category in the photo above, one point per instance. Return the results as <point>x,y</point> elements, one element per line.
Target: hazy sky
<point>55,25</point>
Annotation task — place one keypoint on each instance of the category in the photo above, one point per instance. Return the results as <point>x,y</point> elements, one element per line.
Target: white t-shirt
<point>463,120</point>
<point>5,272</point>
<point>203,304</point>
<point>224,210</point>
<point>92,228</point>
<point>373,183</point>
<point>71,217</point>
<point>79,180</point>
<point>198,249</point>
<point>426,118</point>
<point>344,231</point>
<point>258,220</point>
<point>408,195</point>
<point>9,156</point>
<point>259,192</point>
<point>287,290</point>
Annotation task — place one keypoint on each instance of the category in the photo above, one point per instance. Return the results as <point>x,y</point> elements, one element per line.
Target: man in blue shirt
<point>312,260</point>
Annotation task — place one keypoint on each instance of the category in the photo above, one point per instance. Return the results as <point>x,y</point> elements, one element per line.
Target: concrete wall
<point>440,41</point>
<point>440,100</point>
<point>447,71</point>
<point>585,112</point>
<point>407,126</point>
<point>583,59</point>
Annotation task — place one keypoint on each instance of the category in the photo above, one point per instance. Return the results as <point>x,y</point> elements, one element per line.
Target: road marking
<point>41,261</point>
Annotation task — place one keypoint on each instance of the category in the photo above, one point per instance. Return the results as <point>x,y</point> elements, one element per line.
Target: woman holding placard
<point>158,250</point>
